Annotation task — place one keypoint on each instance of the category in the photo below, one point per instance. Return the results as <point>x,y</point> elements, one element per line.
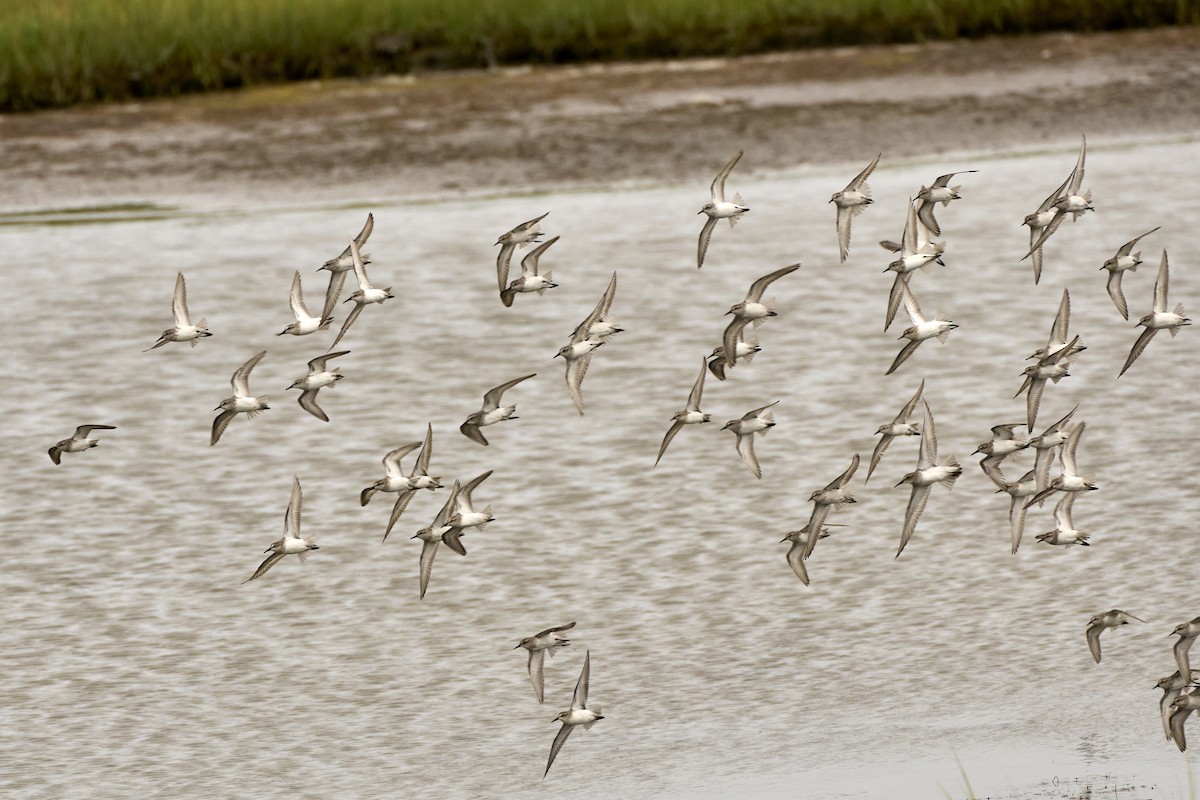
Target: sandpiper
<point>80,440</point>
<point>184,330</point>
<point>717,209</point>
<point>242,401</point>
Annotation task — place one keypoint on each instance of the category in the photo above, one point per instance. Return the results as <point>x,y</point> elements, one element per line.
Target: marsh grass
<point>58,52</point>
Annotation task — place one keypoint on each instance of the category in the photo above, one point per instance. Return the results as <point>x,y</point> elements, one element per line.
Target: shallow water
<point>137,665</point>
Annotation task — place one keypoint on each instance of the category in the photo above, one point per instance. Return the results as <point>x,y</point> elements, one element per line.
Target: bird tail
<point>202,324</point>
<point>949,480</point>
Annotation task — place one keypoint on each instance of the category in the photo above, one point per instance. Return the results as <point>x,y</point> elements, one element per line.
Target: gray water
<point>136,664</point>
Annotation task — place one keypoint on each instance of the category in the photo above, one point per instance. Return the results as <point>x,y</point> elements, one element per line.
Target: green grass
<point>59,52</point>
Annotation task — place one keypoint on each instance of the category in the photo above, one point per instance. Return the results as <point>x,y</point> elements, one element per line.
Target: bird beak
<point>556,355</point>
<point>518,647</point>
<point>701,211</point>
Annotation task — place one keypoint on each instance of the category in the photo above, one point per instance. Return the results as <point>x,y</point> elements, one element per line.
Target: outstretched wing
<point>308,401</point>
<point>267,563</point>
<point>179,306</point>
<point>1138,347</point>
<point>705,236</point>
<point>473,433</point>
<point>759,286</point>
<point>296,298</point>
<point>529,264</point>
<point>718,184</point>
<point>559,739</point>
<point>674,429</point>
<point>491,400</point>
<point>860,179</point>
<point>428,551</point>
<point>1160,286</point>
<point>219,425</point>
<point>241,378</point>
<point>602,307</point>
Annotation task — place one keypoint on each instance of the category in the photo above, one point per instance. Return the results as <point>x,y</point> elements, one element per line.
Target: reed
<point>59,52</point>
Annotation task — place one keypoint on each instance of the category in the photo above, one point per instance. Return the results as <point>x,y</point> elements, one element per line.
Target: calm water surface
<point>136,665</point>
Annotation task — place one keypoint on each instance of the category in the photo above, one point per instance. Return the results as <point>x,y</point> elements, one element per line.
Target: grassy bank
<point>58,52</point>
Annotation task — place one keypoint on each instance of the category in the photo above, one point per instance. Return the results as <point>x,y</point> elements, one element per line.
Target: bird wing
<point>353,315</point>
<point>1046,233</point>
<point>491,400</point>
<point>579,699</point>
<point>291,517</point>
<point>1062,512</point>
<point>602,307</point>
<point>576,370</point>
<point>1069,447</point>
<point>718,184</point>
<point>816,522</point>
<point>401,503</point>
<point>55,454</point>
<point>909,241</point>
<point>675,428</point>
<point>733,332</point>
<point>1037,261</point>
<point>1127,248</point>
<point>559,739</point>
<point>1093,640</point>
<point>757,411</point>
<point>308,401</point>
<point>880,446</point>
<point>1114,291</point>
<point>448,508</point>
<point>391,461</point>
<point>894,297</point>
<point>319,363</point>
<point>928,454</point>
<point>1077,174</point>
<point>745,449</point>
<point>1016,519</point>
<point>1178,718</point>
<point>1181,654</point>
<point>502,263</point>
<point>529,264</point>
<point>705,236</point>
<point>179,308</point>
<point>1160,286</point>
<point>464,495</point>
<point>360,269</point>
<point>296,299</point>
<point>759,286</point>
<point>537,662</point>
<point>844,215</point>
<point>1138,347</point>
<point>83,431</point>
<point>422,467</point>
<point>333,294</point>
<point>911,306</point>
<point>991,468</point>
<point>566,627</point>
<point>241,378</point>
<point>267,563</point>
<point>360,240</point>
<point>796,561</point>
<point>219,425</point>
<point>473,433</point>
<point>1055,195</point>
<point>1062,322</point>
<point>903,355</point>
<point>859,181</point>
<point>910,405</point>
<point>841,480</point>
<point>1033,399</point>
<point>916,505</point>
<point>693,402</point>
<point>428,551</point>
<point>925,215</point>
<point>451,540</point>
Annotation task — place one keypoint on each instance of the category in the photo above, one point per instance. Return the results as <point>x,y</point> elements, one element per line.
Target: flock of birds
<point>916,250</point>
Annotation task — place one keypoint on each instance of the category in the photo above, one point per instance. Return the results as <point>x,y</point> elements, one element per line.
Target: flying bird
<point>598,324</point>
<point>922,479</point>
<point>291,541</point>
<point>531,280</point>
<point>1125,259</point>
<point>432,536</point>
<point>751,310</point>
<point>242,401</point>
<point>405,486</point>
<point>319,376</point>
<point>1159,318</point>
<point>365,296</point>
<point>921,329</point>
<point>577,714</point>
<point>759,421</point>
<point>80,440</point>
<point>184,330</point>
<point>1064,532</point>
<point>717,209</point>
<point>1102,622</point>
<point>1039,222</point>
<point>338,267</point>
<point>547,641</point>
<point>305,322</point>
<point>520,236</point>
<point>940,192</point>
<point>463,515</point>
<point>850,203</point>
<point>800,542</point>
<point>691,414</point>
<point>900,426</point>
<point>491,412</point>
<point>833,496</point>
<point>916,252</point>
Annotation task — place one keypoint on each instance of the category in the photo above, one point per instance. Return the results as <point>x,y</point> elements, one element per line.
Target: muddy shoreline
<point>536,129</point>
